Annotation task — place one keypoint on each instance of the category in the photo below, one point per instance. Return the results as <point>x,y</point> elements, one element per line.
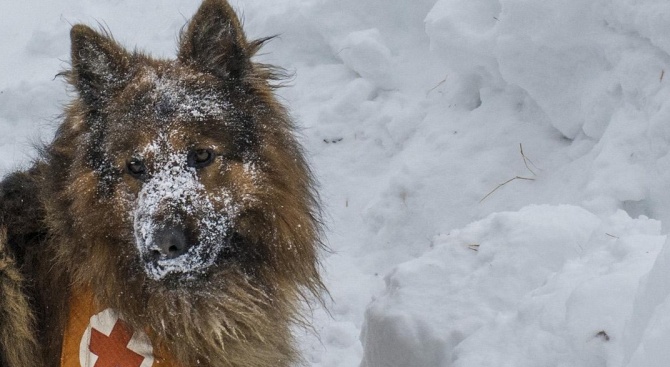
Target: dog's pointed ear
<point>100,67</point>
<point>214,42</point>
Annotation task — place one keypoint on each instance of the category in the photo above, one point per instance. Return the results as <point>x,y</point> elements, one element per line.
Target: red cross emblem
<point>110,342</point>
<point>112,350</point>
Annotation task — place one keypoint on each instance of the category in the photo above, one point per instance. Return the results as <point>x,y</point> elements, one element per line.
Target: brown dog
<point>171,222</point>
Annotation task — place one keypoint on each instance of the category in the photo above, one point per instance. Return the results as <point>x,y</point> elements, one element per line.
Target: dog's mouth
<point>188,266</point>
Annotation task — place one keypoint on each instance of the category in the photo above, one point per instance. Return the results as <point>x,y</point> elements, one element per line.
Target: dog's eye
<point>200,158</point>
<point>136,168</point>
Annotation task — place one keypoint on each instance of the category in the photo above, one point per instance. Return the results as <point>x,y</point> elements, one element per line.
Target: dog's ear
<point>214,42</point>
<point>100,67</point>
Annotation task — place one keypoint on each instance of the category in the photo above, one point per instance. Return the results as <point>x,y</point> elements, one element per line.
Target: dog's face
<point>191,161</point>
<point>184,176</point>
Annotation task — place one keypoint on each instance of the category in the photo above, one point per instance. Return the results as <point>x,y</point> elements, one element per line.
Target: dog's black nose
<point>170,242</point>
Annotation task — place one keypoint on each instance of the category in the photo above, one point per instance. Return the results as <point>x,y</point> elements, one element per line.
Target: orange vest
<point>96,337</point>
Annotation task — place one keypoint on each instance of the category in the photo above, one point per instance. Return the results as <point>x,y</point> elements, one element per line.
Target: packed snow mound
<point>647,334</point>
<point>580,61</point>
<point>547,285</point>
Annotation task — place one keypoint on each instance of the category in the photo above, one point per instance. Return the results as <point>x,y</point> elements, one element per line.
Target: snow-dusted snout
<point>180,228</point>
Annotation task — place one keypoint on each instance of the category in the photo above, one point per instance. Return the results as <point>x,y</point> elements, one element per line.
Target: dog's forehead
<point>162,95</point>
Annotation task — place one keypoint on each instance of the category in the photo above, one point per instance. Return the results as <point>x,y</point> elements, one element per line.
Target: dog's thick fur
<point>68,223</point>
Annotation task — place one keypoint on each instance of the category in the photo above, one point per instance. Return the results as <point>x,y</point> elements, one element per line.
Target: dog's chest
<point>96,337</point>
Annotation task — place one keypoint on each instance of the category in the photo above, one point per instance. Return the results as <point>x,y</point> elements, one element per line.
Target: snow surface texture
<point>414,113</point>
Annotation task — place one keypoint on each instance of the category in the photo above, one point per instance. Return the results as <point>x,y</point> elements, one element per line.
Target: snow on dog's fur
<point>175,192</point>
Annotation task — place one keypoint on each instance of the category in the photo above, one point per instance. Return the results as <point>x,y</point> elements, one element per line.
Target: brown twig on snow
<point>527,160</point>
<point>505,183</point>
<point>438,84</point>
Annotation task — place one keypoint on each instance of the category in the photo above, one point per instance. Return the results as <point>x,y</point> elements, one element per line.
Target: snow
<point>413,116</point>
<point>546,285</point>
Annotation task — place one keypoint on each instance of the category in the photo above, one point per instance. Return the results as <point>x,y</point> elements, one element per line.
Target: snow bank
<point>547,285</point>
<point>595,69</point>
<point>647,334</point>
